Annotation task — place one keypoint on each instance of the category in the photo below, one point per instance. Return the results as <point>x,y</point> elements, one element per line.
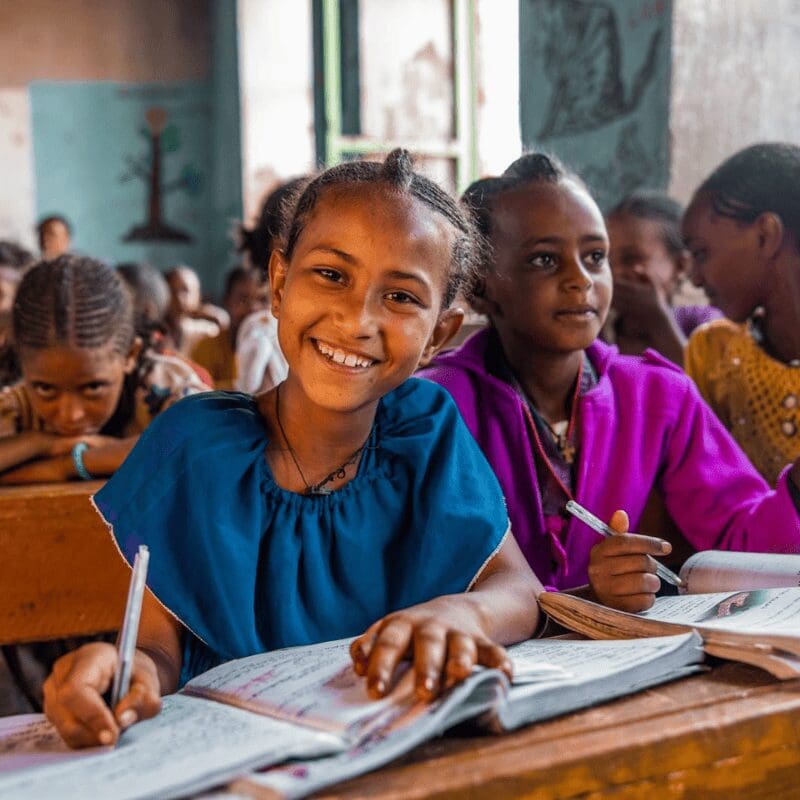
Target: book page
<point>722,570</point>
<point>314,686</point>
<point>192,744</point>
<point>29,740</point>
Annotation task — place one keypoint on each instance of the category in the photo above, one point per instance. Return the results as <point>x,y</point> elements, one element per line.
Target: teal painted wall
<point>92,156</point>
<point>225,198</point>
<point>91,149</point>
<point>595,89</point>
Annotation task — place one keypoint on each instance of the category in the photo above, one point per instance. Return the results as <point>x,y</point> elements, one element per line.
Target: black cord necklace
<point>315,489</point>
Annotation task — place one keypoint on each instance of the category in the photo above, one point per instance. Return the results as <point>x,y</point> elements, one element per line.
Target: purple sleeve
<point>714,493</point>
<point>691,317</point>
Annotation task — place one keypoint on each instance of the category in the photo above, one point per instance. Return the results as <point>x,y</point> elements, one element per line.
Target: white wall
<point>277,97</point>
<point>735,73</point>
<point>17,198</point>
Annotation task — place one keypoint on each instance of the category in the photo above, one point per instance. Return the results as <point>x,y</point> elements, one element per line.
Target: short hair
<point>14,255</point>
<point>73,300</point>
<point>147,286</point>
<point>43,223</point>
<point>656,207</point>
<point>397,173</point>
<point>762,177</point>
<point>258,241</point>
<point>479,196</point>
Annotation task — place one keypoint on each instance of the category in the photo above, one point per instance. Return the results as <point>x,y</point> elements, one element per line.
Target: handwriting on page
<point>191,743</point>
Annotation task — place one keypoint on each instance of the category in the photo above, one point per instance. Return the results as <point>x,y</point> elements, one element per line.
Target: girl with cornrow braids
<point>88,387</point>
<point>323,508</point>
<point>743,230</point>
<point>561,415</point>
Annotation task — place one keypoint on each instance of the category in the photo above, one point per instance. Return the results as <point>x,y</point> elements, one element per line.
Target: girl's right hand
<point>622,572</point>
<point>73,695</point>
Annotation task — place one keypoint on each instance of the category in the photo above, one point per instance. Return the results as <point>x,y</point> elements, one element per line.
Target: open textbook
<point>309,703</point>
<point>731,599</point>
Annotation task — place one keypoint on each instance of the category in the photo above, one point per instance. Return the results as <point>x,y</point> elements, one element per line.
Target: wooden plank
<point>60,572</point>
<point>732,733</point>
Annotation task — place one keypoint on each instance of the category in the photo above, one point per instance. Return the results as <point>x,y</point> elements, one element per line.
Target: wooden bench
<point>733,733</point>
<point>60,572</point>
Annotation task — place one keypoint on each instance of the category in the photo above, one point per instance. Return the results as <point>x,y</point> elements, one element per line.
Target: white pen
<point>596,524</point>
<point>130,626</point>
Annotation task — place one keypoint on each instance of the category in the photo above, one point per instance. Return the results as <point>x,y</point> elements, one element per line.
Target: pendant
<point>317,491</point>
<point>566,448</point>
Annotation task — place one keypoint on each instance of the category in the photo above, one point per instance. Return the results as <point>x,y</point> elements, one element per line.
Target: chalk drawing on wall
<point>630,168</point>
<point>583,63</point>
<point>163,139</point>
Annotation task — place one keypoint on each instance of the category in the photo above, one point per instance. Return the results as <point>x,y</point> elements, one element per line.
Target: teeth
<point>340,357</point>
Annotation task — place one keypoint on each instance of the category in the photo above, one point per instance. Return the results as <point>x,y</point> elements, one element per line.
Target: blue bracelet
<point>77,459</point>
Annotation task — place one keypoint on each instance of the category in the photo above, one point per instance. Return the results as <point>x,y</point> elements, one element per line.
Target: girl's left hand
<point>442,638</point>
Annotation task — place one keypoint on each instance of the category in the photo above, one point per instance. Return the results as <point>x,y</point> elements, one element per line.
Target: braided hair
<point>79,302</point>
<point>397,173</point>
<point>658,208</point>
<point>480,195</point>
<point>259,240</point>
<point>760,178</point>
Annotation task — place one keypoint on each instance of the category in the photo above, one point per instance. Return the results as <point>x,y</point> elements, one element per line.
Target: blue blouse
<point>248,566</point>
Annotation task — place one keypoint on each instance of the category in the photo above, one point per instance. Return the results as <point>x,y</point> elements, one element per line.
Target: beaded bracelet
<point>77,459</point>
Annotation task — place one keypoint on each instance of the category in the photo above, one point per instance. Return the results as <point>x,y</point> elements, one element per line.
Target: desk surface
<point>731,733</point>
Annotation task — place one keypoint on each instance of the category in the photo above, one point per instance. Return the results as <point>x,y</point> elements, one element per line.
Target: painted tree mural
<point>163,140</point>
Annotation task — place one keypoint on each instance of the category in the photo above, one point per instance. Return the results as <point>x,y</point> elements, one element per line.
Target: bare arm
<point>73,693</point>
<point>16,450</point>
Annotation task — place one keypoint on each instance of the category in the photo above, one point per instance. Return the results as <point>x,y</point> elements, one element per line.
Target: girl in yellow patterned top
<point>89,388</point>
<point>742,229</point>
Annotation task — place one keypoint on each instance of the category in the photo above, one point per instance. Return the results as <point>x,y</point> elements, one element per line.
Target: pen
<point>130,626</point>
<point>596,524</point>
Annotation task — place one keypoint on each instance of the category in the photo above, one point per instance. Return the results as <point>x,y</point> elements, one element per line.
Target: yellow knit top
<point>756,396</point>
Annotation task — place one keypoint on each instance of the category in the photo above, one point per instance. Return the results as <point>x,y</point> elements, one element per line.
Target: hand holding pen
<point>623,572</point>
<point>73,693</point>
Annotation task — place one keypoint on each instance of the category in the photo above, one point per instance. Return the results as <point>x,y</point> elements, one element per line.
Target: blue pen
<point>596,524</point>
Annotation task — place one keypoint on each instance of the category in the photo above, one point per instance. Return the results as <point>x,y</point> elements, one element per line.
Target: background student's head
<point>185,291</point>
<point>546,282</point>
<point>742,228</point>
<point>644,231</point>
<point>246,292</point>
<point>55,236</point>
<point>74,330</point>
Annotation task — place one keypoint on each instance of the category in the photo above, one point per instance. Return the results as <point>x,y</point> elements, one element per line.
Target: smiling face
<point>726,259</point>
<point>550,286</point>
<point>638,247</point>
<point>360,302</point>
<point>75,390</point>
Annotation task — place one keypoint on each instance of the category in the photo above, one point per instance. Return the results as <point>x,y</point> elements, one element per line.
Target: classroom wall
<point>93,83</point>
<point>735,76</point>
<point>594,89</point>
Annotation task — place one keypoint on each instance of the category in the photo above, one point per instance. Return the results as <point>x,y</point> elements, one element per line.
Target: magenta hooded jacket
<point>643,425</point>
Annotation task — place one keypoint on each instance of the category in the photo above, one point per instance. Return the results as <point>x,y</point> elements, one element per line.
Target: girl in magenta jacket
<point>560,415</point>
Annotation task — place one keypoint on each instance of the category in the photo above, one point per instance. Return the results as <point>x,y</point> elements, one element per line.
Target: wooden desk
<point>732,733</point>
<point>60,573</point>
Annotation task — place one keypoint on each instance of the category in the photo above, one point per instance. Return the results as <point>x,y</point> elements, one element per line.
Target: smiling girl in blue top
<point>348,498</point>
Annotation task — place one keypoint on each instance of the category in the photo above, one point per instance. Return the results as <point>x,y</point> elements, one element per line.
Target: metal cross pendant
<point>566,448</point>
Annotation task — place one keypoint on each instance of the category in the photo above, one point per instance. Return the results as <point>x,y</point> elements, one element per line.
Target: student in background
<point>320,509</point>
<point>89,387</point>
<point>743,229</point>
<point>149,293</point>
<point>13,261</point>
<point>561,415</point>
<point>648,263</point>
<point>260,362</point>
<point>246,293</point>
<point>188,319</point>
<point>55,236</point>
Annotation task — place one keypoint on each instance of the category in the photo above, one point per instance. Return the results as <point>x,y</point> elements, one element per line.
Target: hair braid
<point>396,172</point>
<point>75,301</point>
